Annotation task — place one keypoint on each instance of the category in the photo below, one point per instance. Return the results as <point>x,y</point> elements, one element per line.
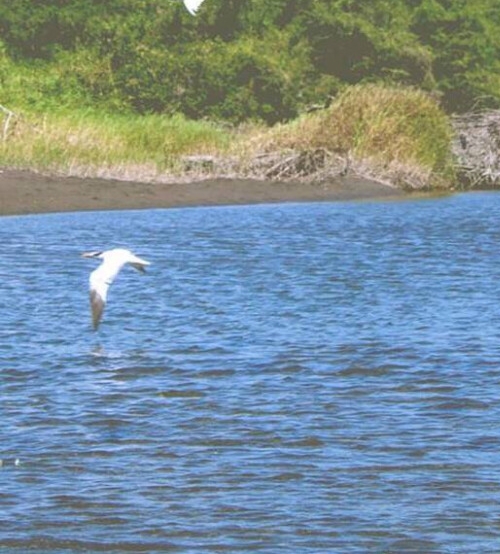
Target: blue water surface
<point>285,378</point>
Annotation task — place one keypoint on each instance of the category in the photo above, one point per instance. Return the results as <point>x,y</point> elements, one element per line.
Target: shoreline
<point>25,192</point>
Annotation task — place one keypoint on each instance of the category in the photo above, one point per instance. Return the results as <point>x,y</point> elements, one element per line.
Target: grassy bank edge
<point>395,135</point>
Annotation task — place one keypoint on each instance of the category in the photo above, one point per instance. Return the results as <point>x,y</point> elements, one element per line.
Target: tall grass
<point>395,134</point>
<point>93,143</point>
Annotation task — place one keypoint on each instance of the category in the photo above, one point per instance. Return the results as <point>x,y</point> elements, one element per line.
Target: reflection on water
<point>98,351</point>
<point>306,378</point>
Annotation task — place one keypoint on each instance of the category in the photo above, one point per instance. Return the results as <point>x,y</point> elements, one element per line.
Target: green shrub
<point>390,127</point>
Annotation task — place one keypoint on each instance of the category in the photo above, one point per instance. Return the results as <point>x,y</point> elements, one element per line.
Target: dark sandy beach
<point>23,192</point>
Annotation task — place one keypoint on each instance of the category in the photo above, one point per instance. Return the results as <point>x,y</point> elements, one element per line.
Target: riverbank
<point>24,192</point>
<point>369,133</point>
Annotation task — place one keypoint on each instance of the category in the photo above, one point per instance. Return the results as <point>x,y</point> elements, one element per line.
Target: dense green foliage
<point>240,59</point>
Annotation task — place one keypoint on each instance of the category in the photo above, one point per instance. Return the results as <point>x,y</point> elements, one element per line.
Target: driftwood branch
<point>299,164</point>
<point>9,114</point>
<point>476,147</point>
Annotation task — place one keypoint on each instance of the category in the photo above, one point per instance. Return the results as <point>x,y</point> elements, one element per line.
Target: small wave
<point>182,393</point>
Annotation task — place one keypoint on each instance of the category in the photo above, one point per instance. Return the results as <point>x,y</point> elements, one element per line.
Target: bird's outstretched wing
<point>97,307</point>
<point>192,5</point>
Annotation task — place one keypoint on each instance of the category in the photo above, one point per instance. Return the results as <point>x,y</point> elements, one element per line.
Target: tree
<point>464,37</point>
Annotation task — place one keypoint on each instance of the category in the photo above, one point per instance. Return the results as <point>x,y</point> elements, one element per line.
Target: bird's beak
<point>88,255</point>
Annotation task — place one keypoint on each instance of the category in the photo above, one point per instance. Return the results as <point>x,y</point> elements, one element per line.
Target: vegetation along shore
<point>296,92</point>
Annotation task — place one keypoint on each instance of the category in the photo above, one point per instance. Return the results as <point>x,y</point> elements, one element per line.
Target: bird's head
<point>96,254</point>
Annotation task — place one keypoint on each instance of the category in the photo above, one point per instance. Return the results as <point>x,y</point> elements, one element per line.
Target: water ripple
<point>306,378</point>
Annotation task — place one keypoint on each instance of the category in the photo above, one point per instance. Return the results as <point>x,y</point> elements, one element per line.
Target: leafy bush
<point>265,60</point>
<point>465,40</point>
<point>243,80</point>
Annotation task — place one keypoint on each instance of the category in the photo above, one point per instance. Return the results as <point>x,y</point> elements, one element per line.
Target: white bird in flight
<point>101,278</point>
<point>192,5</point>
